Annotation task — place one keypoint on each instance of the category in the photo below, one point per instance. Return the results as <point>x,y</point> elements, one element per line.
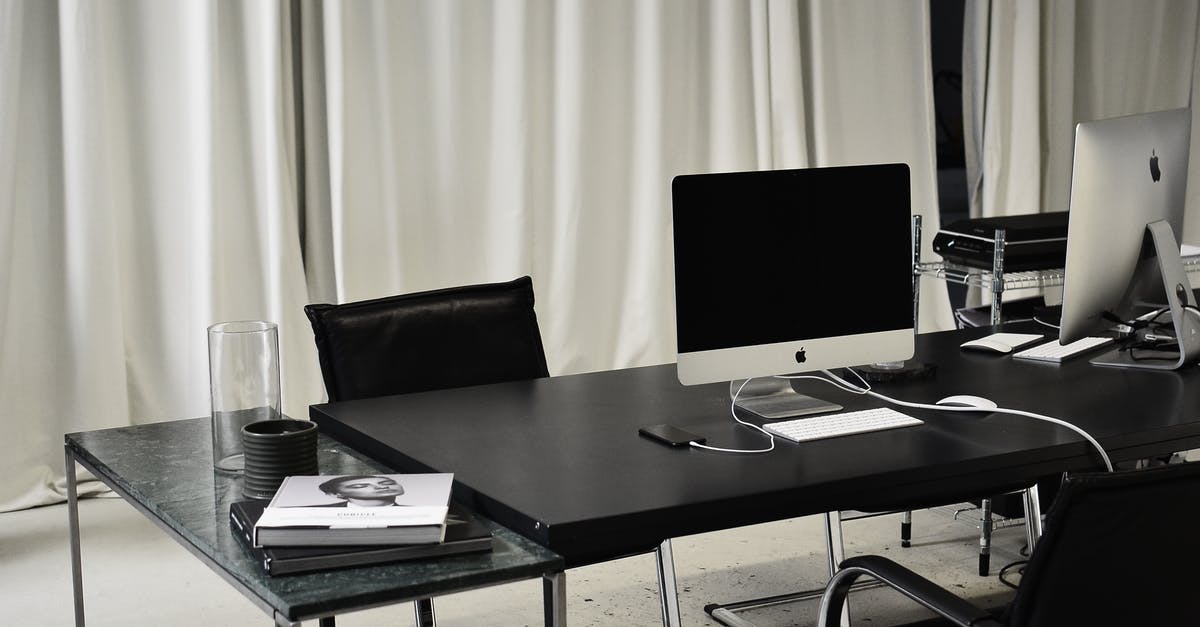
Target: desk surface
<point>560,459</point>
<point>165,469</point>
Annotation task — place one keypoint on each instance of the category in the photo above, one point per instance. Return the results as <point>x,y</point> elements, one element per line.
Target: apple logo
<point>1155,173</point>
<point>800,356</point>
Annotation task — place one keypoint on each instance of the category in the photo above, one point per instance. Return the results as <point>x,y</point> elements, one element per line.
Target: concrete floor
<point>134,574</point>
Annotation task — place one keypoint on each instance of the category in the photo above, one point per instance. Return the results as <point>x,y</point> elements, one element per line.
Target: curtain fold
<point>167,167</point>
<point>1039,67</point>
<point>151,194</point>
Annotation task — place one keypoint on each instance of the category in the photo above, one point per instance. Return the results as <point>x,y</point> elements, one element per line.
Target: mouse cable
<point>733,412</point>
<point>865,389</point>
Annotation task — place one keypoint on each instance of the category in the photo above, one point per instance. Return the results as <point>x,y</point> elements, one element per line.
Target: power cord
<point>865,389</point>
<point>846,385</point>
<point>733,412</point>
<point>1021,571</point>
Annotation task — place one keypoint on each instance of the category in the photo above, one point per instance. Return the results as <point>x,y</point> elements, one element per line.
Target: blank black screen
<point>786,255</point>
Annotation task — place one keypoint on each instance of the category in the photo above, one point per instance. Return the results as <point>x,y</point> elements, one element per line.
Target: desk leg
<point>668,591</point>
<point>554,594</point>
<point>1033,517</point>
<point>73,526</point>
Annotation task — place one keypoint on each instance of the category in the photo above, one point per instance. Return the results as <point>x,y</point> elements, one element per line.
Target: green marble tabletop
<point>167,469</point>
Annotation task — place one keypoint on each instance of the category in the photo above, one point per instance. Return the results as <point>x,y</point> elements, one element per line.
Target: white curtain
<point>1035,68</point>
<point>145,154</point>
<point>477,141</point>
<point>153,183</point>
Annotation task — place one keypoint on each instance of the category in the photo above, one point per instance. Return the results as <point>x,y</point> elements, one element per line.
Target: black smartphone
<point>670,434</point>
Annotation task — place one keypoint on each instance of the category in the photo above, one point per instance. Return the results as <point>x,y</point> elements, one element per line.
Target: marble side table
<point>165,471</point>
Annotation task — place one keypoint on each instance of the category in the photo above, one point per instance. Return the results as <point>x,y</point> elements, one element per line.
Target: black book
<point>464,534</point>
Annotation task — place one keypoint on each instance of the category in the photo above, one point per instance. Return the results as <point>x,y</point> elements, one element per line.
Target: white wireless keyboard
<point>845,423</point>
<point>1058,353</point>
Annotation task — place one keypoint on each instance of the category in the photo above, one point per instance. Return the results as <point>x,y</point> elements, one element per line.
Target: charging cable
<point>733,412</point>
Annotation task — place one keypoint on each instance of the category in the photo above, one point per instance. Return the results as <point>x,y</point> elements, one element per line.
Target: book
<point>356,510</point>
<point>464,534</point>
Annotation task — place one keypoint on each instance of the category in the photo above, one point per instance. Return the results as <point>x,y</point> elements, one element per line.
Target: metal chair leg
<point>985,536</point>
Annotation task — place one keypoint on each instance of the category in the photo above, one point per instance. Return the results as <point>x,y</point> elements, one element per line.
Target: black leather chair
<point>1118,549</point>
<point>453,337</point>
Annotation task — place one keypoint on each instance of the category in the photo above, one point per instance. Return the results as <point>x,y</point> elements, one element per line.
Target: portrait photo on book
<point>413,490</point>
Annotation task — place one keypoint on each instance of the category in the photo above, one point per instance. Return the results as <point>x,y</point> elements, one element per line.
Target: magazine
<point>352,510</point>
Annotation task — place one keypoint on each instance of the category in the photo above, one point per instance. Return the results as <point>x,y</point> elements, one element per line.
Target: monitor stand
<point>1184,315</point>
<point>774,399</point>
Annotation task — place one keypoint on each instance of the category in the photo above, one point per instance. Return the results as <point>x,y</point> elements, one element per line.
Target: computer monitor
<point>1128,183</point>
<point>786,271</point>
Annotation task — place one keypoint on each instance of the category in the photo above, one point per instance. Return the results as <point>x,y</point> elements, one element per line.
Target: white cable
<point>846,385</point>
<point>733,412</point>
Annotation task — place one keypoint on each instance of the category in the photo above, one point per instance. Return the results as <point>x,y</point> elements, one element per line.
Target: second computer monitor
<point>792,270</point>
<point>1128,172</point>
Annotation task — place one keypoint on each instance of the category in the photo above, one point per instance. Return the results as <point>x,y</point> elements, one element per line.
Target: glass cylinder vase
<point>243,363</point>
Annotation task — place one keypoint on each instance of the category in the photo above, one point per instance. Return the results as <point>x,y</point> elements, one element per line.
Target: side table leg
<point>554,594</point>
<point>423,610</point>
<point>73,526</point>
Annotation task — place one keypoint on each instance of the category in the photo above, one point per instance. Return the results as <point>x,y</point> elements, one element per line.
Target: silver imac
<point>786,271</point>
<point>1128,185</point>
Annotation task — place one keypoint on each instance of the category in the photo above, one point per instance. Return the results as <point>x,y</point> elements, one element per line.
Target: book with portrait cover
<point>464,534</point>
<point>356,510</point>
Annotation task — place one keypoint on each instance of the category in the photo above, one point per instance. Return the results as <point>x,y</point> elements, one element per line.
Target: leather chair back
<point>1119,549</point>
<point>453,337</point>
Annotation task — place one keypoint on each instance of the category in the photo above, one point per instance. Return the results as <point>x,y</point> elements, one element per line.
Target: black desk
<point>560,461</point>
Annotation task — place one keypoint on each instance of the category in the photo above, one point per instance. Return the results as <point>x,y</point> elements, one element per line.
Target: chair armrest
<point>905,581</point>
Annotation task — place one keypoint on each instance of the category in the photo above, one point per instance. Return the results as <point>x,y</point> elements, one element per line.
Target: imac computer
<point>1128,184</point>
<point>787,271</point>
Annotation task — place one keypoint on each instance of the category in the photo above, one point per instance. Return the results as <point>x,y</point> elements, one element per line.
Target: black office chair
<point>1118,549</point>
<point>453,337</point>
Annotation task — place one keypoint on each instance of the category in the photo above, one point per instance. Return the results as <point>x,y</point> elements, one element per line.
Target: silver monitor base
<point>1185,317</point>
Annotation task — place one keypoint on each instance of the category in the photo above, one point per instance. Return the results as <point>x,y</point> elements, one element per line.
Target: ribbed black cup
<point>275,449</point>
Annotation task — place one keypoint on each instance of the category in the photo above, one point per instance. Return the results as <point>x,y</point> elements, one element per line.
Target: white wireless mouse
<point>987,344</point>
<point>966,400</point>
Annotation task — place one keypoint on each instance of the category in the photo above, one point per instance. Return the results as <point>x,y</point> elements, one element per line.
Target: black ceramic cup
<point>276,449</point>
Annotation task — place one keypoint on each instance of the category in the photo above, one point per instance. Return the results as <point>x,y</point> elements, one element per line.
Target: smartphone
<point>670,435</point>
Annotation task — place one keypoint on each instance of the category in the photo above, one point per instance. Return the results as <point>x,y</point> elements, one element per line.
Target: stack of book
<point>336,521</point>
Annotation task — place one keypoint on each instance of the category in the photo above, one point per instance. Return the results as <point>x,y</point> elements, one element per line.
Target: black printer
<point>1035,241</point>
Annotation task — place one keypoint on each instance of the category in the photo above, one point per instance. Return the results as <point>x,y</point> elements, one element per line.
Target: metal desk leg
<point>1033,517</point>
<point>73,524</point>
<point>554,593</point>
<point>668,591</point>
<point>726,613</point>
